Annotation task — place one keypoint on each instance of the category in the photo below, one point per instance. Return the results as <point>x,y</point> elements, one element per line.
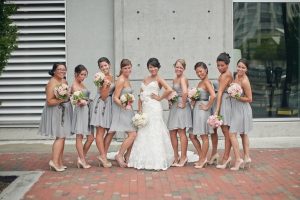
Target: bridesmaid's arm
<point>184,86</point>
<point>223,82</point>
<point>167,90</point>
<point>212,95</point>
<point>247,91</point>
<point>50,97</point>
<point>118,88</point>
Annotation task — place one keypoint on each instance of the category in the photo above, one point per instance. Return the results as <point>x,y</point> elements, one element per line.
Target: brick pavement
<point>274,174</point>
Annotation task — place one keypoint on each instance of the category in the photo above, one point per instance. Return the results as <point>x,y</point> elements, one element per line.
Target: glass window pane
<point>267,34</point>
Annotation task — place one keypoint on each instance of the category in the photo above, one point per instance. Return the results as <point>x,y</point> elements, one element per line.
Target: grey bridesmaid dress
<point>200,126</point>
<point>241,117</point>
<point>121,118</point>
<point>101,115</point>
<point>81,117</point>
<point>179,118</point>
<point>56,120</point>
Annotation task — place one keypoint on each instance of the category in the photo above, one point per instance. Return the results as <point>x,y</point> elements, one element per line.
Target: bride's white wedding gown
<point>152,147</point>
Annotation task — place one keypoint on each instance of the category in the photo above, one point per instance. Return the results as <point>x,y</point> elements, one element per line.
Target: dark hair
<point>79,68</point>
<point>154,62</point>
<point>202,65</point>
<point>54,67</point>
<point>225,57</point>
<point>124,62</point>
<point>244,61</point>
<point>103,59</point>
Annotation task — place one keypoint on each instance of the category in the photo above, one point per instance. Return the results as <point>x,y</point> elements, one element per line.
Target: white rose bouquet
<point>77,97</point>
<point>100,80</point>
<point>140,120</point>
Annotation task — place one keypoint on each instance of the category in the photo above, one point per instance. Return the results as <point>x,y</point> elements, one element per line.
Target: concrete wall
<point>193,30</point>
<point>89,35</point>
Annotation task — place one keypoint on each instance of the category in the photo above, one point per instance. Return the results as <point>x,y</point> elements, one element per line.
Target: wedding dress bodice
<point>150,104</point>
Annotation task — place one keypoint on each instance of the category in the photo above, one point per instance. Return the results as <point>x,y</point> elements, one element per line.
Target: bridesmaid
<point>56,117</point>
<point>81,117</point>
<point>214,157</point>
<point>223,107</point>
<point>180,116</point>
<point>122,116</point>
<point>201,112</point>
<point>241,117</point>
<point>102,111</point>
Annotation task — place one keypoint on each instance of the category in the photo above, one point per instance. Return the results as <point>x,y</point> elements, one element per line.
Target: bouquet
<point>127,100</point>
<point>77,97</point>
<point>61,91</point>
<point>140,120</point>
<point>99,79</point>
<point>215,121</point>
<point>194,94</point>
<point>173,97</point>
<point>235,90</point>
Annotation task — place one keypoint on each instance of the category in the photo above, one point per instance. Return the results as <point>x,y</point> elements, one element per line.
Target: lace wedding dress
<point>152,147</point>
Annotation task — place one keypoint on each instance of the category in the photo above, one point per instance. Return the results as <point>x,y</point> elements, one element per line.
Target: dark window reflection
<point>267,34</point>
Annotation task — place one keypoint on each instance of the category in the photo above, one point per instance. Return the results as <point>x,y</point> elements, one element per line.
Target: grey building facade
<point>80,32</point>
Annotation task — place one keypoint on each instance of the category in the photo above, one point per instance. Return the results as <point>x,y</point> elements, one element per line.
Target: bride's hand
<point>156,97</point>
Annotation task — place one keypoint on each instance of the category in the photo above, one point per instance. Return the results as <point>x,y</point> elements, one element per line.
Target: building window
<point>268,36</point>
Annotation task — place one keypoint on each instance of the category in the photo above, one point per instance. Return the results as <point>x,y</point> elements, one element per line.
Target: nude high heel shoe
<point>214,159</point>
<point>105,164</point>
<point>55,168</point>
<point>228,162</point>
<point>175,162</point>
<point>83,165</point>
<point>241,164</point>
<point>202,165</point>
<point>120,161</point>
<point>247,161</point>
<point>182,164</point>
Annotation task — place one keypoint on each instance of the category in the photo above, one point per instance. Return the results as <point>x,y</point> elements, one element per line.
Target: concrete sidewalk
<point>274,174</point>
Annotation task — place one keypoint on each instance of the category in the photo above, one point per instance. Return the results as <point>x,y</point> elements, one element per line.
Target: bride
<point>152,147</point>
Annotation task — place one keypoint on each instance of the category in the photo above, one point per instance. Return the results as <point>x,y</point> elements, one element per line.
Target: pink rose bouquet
<point>215,121</point>
<point>194,94</point>
<point>127,100</point>
<point>173,97</point>
<point>61,91</point>
<point>235,90</point>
